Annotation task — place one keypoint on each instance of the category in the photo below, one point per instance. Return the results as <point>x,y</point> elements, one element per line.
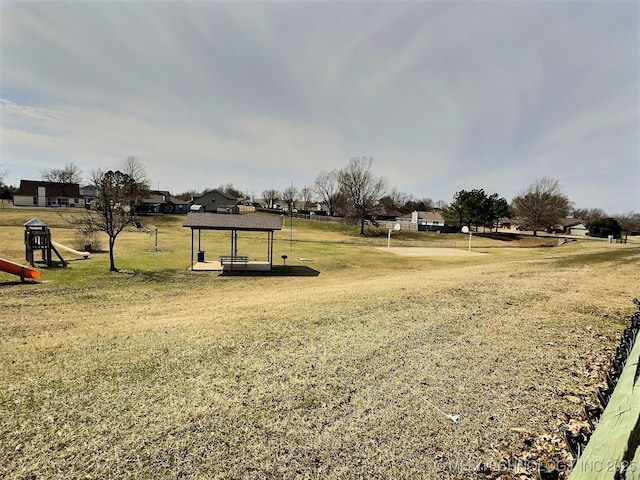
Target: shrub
<point>88,240</point>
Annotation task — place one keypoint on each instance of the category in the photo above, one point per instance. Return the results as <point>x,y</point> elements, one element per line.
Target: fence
<point>613,450</point>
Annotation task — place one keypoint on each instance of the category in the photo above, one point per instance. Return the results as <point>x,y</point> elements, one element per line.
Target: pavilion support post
<point>192,249</point>
<point>233,236</point>
<point>235,243</point>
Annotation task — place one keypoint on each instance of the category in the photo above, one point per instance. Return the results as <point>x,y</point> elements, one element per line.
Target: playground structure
<point>37,236</point>
<point>17,269</point>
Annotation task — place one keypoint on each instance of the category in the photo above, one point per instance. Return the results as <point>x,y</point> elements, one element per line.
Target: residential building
<point>215,201</point>
<point>422,221</point>
<point>88,192</point>
<point>570,226</point>
<point>37,193</point>
<point>161,201</point>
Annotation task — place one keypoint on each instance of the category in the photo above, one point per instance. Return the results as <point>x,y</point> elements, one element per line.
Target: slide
<point>69,249</point>
<point>17,269</point>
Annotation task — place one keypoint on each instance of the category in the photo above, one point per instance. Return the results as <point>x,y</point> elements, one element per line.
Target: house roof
<point>569,222</point>
<point>211,193</point>
<point>177,201</point>
<point>88,190</point>
<point>154,199</point>
<point>160,197</point>
<point>222,221</point>
<point>426,216</point>
<point>29,188</point>
<point>431,216</point>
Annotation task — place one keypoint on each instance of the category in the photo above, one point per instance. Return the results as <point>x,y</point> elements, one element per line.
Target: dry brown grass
<point>334,376</point>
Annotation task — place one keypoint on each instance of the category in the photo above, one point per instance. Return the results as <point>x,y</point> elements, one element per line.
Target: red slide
<point>17,269</point>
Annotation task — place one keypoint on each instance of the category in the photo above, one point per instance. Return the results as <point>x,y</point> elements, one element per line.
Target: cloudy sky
<point>443,96</point>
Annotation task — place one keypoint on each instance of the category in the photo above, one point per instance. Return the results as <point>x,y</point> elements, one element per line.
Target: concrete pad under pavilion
<point>216,266</point>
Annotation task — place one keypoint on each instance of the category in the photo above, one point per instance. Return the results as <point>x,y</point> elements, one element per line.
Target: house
<point>88,192</point>
<point>570,226</point>
<point>430,221</point>
<point>579,229</point>
<point>161,201</point>
<point>215,201</point>
<point>37,193</point>
<point>505,222</point>
<point>280,205</point>
<point>422,221</point>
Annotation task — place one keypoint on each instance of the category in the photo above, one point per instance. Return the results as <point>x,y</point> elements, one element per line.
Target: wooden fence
<point>613,450</point>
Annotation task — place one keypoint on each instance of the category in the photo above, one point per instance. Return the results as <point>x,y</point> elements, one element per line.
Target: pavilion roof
<point>223,221</point>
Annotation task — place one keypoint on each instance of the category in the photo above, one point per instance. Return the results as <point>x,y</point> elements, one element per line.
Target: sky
<point>443,96</point>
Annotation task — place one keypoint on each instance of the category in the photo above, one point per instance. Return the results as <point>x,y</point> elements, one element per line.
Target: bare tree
<point>229,189</point>
<point>361,188</point>
<point>405,202</point>
<point>116,197</point>
<point>399,198</point>
<point>629,221</point>
<point>395,200</point>
<point>440,205</point>
<point>424,204</point>
<point>270,197</point>
<point>70,173</point>
<point>541,205</point>
<point>188,195</point>
<point>5,190</point>
<point>327,187</point>
<point>135,169</point>
<point>588,214</point>
<point>306,194</point>
<point>290,195</point>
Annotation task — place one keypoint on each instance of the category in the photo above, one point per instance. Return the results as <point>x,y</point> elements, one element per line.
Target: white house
<point>422,221</point>
<point>35,193</point>
<point>570,226</point>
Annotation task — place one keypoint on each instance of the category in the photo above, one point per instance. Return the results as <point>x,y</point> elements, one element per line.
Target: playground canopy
<point>234,223</point>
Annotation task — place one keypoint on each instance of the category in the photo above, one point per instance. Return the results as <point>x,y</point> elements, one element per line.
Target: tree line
<point>358,195</point>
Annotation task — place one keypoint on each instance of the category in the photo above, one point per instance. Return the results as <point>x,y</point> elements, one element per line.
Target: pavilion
<point>233,223</point>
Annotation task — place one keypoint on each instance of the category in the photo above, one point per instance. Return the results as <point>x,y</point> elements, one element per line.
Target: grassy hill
<point>160,372</point>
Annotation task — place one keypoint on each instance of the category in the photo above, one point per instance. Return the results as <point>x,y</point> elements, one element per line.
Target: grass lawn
<point>160,372</point>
